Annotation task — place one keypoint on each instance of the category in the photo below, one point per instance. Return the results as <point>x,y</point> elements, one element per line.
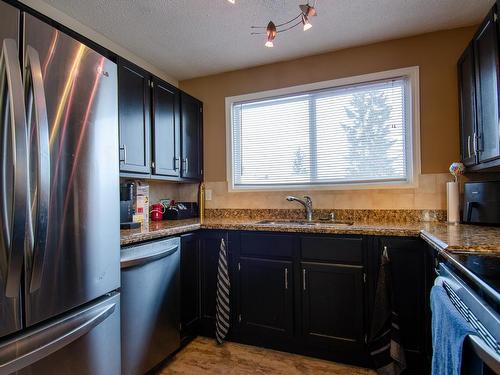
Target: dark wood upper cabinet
<point>479,98</point>
<point>160,128</point>
<point>467,104</point>
<point>266,298</point>
<point>487,88</point>
<point>134,103</point>
<point>166,129</point>
<point>192,137</point>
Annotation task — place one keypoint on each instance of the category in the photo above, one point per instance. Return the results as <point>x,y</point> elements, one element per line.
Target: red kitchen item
<point>157,212</point>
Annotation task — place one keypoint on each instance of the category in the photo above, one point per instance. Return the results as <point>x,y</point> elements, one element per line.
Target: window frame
<point>414,165</point>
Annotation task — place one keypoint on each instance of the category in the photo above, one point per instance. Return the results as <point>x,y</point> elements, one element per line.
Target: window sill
<point>362,186</point>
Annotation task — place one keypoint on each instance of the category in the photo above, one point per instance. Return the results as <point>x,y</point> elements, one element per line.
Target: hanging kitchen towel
<point>222,301</point>
<point>449,329</point>
<point>385,340</point>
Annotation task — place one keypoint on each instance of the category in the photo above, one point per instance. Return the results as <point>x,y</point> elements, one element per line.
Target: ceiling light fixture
<point>271,34</point>
<point>231,1</point>
<point>306,11</point>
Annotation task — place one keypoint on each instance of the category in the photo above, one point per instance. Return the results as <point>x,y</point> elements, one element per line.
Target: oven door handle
<point>483,351</point>
<point>486,353</point>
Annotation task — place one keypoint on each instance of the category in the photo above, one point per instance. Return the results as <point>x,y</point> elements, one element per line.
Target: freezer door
<point>72,237</point>
<point>12,119</point>
<point>83,342</point>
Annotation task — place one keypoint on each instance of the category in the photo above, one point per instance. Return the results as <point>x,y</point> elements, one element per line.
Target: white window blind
<point>352,134</point>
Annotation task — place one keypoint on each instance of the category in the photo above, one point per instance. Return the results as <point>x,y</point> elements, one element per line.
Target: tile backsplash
<point>430,194</point>
<point>169,190</point>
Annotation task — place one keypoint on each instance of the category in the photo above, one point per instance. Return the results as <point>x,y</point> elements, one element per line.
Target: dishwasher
<point>150,303</point>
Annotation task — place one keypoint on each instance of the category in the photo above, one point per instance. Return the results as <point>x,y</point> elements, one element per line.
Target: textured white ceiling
<point>191,38</point>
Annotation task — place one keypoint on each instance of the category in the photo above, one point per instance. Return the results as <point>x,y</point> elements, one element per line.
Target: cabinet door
<point>192,146</point>
<point>134,118</point>
<point>332,305</point>
<point>467,102</point>
<point>209,247</point>
<point>487,87</point>
<point>408,271</point>
<point>190,285</point>
<point>266,299</point>
<point>166,129</point>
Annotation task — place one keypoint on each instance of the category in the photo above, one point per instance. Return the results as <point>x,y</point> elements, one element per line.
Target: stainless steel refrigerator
<point>59,202</point>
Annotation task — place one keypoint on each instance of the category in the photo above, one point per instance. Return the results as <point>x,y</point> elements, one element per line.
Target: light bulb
<point>231,1</point>
<point>271,34</point>
<point>306,23</point>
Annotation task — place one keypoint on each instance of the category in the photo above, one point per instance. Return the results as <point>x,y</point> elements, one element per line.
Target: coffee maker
<point>127,206</point>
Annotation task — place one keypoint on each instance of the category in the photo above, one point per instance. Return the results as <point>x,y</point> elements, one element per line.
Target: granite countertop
<point>158,229</point>
<point>457,238</point>
<point>462,238</point>
<point>380,229</point>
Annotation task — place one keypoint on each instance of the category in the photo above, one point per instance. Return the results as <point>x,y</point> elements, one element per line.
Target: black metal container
<point>482,203</point>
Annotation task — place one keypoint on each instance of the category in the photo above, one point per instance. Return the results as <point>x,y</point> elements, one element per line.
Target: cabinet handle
<point>303,278</point>
<point>474,141</point>
<point>124,149</point>
<point>286,278</point>
<point>186,165</point>
<point>468,146</point>
<point>478,146</point>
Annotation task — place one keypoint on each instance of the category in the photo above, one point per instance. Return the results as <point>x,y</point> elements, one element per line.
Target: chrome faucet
<point>306,202</point>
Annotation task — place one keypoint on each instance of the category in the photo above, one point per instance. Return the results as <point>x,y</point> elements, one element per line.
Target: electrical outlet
<point>208,195</point>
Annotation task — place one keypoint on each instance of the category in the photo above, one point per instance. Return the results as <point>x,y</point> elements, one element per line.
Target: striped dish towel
<point>222,300</point>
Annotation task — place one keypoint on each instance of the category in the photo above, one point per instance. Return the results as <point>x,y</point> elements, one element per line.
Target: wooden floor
<point>203,356</point>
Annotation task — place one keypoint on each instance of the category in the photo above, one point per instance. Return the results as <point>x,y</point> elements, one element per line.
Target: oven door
<point>486,342</point>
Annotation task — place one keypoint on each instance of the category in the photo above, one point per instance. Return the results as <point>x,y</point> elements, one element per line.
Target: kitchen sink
<point>306,223</point>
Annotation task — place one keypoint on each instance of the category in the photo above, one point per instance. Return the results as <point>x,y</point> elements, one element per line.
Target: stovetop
<point>481,270</point>
<point>485,267</point>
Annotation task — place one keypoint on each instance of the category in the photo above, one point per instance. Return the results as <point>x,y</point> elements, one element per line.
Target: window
<point>352,132</point>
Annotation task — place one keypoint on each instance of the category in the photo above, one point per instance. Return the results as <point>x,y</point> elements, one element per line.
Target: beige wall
<point>436,54</point>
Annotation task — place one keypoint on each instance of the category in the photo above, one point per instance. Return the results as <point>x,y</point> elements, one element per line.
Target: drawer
<point>332,249</point>
<point>269,245</point>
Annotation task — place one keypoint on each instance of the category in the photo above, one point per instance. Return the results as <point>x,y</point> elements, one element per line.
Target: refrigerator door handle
<point>38,227</point>
<point>10,79</point>
<point>32,347</point>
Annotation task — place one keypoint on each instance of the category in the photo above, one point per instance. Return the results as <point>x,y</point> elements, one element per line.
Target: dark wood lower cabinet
<point>210,242</point>
<point>309,294</point>
<point>190,286</point>
<point>408,259</point>
<point>333,308</point>
<point>265,299</point>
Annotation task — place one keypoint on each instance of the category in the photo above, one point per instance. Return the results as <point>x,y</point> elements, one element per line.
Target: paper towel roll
<point>452,194</point>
